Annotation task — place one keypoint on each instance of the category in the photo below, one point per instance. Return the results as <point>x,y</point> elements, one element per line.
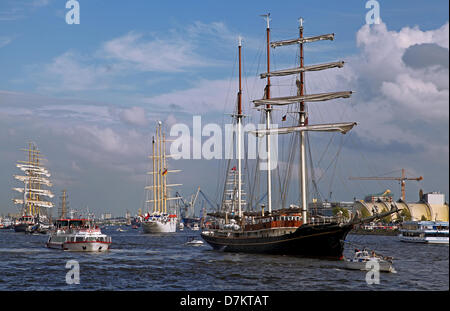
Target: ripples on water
<point>139,261</point>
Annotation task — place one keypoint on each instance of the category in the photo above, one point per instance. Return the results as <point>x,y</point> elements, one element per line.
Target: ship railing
<point>323,220</point>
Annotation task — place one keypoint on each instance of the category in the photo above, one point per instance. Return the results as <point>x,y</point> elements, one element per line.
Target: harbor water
<point>138,261</point>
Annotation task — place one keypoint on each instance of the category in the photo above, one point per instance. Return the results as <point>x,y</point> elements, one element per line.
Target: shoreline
<point>375,232</point>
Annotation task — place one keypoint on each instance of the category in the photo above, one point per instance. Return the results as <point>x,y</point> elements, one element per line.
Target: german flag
<point>164,173</point>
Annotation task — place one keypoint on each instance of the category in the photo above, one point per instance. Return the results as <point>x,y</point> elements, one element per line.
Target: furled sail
<point>280,101</point>
<point>35,202</point>
<point>302,40</point>
<point>291,71</point>
<point>331,127</point>
<point>34,179</point>
<point>36,191</point>
<point>34,169</point>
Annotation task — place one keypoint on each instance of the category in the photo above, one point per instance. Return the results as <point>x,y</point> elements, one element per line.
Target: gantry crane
<point>402,180</point>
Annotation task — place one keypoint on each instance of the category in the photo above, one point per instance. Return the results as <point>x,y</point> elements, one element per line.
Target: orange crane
<point>402,180</point>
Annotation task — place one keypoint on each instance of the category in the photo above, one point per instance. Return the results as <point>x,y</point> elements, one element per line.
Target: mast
<point>164,173</point>
<point>303,122</point>
<point>154,176</point>
<point>160,170</point>
<point>268,111</point>
<point>63,204</point>
<point>239,125</point>
<point>34,178</point>
<point>160,193</point>
<point>300,98</point>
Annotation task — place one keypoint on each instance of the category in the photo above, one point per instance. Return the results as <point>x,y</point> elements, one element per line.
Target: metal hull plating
<point>308,240</point>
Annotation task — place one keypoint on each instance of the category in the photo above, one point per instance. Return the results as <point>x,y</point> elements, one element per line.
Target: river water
<point>139,261</point>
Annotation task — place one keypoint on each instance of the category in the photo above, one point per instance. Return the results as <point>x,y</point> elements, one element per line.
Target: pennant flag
<point>283,118</point>
<point>164,173</point>
<point>234,168</point>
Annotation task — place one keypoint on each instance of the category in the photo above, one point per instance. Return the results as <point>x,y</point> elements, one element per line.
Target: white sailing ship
<point>35,209</point>
<point>162,217</point>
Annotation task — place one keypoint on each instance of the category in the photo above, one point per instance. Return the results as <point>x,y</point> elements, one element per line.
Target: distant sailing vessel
<point>162,217</point>
<point>35,209</point>
<point>286,230</point>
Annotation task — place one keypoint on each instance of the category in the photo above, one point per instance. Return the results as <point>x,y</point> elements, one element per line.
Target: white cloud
<point>163,55</point>
<point>4,41</point>
<point>134,116</point>
<point>393,101</point>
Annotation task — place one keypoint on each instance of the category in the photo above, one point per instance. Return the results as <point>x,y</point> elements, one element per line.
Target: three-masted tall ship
<point>161,216</point>
<point>34,207</point>
<point>286,230</point>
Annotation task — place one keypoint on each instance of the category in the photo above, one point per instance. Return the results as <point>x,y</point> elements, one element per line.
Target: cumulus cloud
<point>134,116</point>
<point>394,99</point>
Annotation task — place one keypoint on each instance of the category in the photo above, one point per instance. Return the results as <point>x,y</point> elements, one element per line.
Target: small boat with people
<point>79,235</point>
<point>365,261</point>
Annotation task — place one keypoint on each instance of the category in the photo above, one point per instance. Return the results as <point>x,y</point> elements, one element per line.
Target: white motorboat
<point>430,232</point>
<point>78,235</point>
<point>195,242</point>
<point>364,261</point>
<point>196,227</point>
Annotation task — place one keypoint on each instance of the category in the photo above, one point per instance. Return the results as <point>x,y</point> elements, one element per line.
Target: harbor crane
<point>402,180</point>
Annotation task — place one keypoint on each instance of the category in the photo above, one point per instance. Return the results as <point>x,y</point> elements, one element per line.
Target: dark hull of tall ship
<point>323,241</point>
<point>21,227</point>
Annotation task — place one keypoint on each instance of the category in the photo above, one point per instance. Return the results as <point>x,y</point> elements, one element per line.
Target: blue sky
<point>89,94</point>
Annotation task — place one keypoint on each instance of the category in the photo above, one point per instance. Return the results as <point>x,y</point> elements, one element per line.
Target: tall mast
<point>303,122</point>
<point>154,176</point>
<point>64,204</point>
<point>159,186</point>
<point>165,176</point>
<point>34,178</point>
<point>268,110</point>
<point>160,202</point>
<point>239,125</point>
<point>301,98</point>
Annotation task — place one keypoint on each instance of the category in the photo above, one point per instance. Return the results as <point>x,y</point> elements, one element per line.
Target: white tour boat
<point>78,235</point>
<point>432,232</point>
<point>364,261</point>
